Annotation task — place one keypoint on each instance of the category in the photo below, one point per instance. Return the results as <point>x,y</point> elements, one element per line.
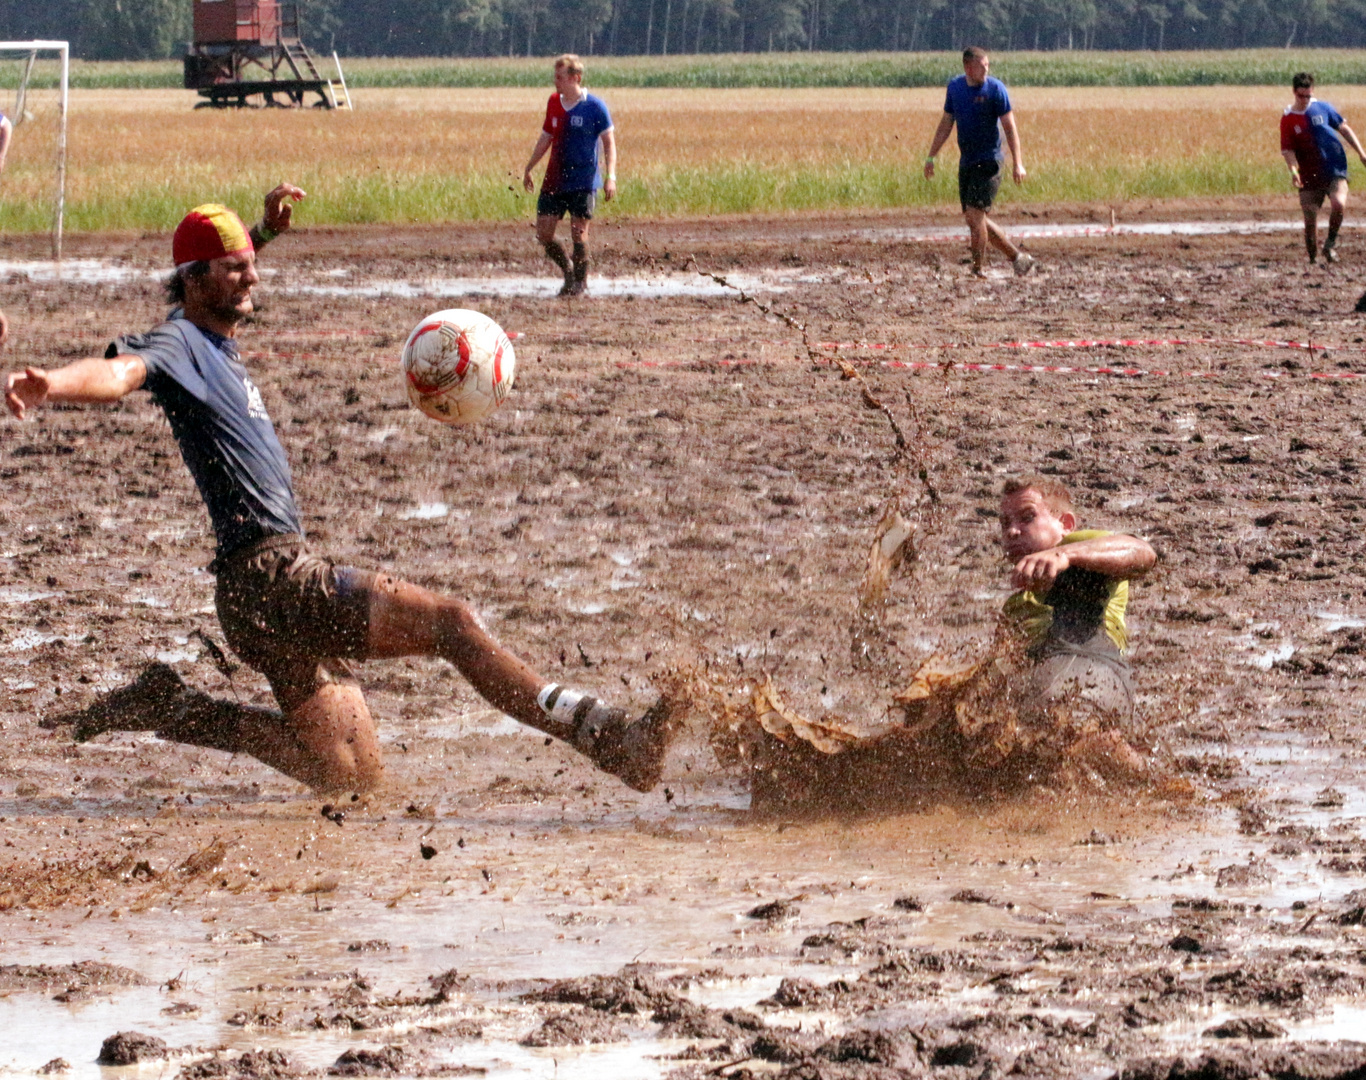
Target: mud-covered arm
<point>941,134</point>
<point>1293,163</point>
<point>278,215</point>
<point>92,381</point>
<point>1115,556</point>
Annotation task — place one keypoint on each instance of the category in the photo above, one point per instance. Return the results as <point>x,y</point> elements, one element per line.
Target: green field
<point>1241,67</point>
<point>138,159</point>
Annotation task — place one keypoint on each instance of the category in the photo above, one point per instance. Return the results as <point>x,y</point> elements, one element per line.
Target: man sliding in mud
<point>289,613</point>
<point>1074,589</point>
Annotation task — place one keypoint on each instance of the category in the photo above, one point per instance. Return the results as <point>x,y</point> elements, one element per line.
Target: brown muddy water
<point>667,487</point>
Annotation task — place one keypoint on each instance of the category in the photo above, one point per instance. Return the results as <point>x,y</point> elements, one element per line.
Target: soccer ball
<point>458,365</point>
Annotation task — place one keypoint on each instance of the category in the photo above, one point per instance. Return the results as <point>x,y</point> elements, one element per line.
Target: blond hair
<point>571,63</point>
<point>1054,493</point>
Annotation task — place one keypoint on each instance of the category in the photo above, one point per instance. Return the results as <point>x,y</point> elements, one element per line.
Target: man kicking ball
<point>288,612</point>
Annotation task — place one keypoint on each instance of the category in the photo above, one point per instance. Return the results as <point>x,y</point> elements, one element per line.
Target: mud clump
<point>389,1061</point>
<point>131,1047</point>
<point>81,976</point>
<point>575,1029</point>
<point>253,1065</point>
<point>626,993</point>
<point>1255,1063</point>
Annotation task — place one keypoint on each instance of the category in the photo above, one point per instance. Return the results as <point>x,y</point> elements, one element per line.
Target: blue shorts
<point>577,204</point>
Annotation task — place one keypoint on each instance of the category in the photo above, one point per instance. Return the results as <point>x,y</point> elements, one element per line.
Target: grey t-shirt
<point>225,435</point>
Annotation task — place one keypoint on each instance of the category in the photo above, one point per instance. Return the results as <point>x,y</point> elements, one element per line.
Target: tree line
<point>145,29</point>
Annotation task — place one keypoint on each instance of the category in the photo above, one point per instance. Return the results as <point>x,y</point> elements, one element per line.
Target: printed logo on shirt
<point>256,408</point>
<point>576,121</point>
<point>554,121</point>
<point>1318,120</point>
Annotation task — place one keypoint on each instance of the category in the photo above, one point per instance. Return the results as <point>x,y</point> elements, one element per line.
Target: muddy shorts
<point>577,204</point>
<point>1097,682</point>
<point>293,616</point>
<point>978,184</point>
<point>1311,198</point>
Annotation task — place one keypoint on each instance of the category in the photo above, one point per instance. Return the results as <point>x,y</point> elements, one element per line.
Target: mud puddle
<point>1065,230</point>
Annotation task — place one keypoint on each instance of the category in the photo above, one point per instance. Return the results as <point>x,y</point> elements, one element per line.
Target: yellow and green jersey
<point>1078,606</point>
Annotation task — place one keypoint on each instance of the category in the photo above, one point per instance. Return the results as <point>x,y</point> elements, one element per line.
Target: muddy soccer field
<point>679,482</point>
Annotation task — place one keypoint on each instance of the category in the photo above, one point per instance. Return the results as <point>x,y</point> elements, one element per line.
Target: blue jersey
<point>977,110</point>
<point>574,137</point>
<point>225,435</point>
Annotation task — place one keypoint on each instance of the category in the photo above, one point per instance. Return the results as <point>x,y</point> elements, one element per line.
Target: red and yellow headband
<point>209,232</point>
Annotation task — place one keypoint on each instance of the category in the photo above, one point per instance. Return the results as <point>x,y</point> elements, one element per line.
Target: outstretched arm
<point>278,214</point>
<point>1350,138</point>
<point>1115,556</point>
<point>1012,134</point>
<point>91,381</point>
<point>537,152</point>
<point>941,134</point>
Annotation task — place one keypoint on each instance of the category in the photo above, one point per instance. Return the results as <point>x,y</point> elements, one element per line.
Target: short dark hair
<point>974,52</point>
<point>1053,492</point>
<point>1303,80</point>
<point>175,284</point>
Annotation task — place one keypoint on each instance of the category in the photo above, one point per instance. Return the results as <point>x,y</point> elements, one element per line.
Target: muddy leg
<point>328,741</point>
<point>579,230</point>
<point>408,620</point>
<point>554,250</point>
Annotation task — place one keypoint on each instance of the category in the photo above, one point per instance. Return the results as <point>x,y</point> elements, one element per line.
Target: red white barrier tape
<point>1079,343</point>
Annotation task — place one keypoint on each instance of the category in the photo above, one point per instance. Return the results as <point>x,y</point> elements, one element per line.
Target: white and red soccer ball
<point>458,365</point>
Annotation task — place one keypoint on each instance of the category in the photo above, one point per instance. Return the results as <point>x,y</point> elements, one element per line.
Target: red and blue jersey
<point>574,147</point>
<point>1312,136</point>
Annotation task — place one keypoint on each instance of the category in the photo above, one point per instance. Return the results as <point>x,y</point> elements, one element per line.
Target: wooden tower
<point>244,49</point>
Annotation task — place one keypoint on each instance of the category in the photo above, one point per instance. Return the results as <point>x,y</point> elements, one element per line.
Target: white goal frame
<point>63,50</point>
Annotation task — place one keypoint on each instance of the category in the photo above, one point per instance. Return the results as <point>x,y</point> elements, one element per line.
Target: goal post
<point>22,73</point>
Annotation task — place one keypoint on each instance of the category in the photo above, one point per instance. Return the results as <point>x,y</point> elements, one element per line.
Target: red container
<point>224,21</point>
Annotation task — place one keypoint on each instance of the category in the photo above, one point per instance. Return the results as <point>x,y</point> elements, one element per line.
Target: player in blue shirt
<point>980,106</point>
<point>575,121</point>
<point>289,613</point>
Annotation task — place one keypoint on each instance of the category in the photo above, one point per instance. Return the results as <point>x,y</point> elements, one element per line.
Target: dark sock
<point>555,252</point>
<point>217,724</point>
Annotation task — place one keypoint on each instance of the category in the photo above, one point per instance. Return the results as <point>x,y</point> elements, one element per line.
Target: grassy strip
<point>718,190</point>
<point>1237,67</point>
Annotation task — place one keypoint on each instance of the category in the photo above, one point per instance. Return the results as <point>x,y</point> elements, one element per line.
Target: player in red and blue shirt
<point>1312,134</point>
<point>575,122</point>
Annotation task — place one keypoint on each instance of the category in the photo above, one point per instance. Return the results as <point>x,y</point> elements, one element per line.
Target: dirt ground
<point>677,482</point>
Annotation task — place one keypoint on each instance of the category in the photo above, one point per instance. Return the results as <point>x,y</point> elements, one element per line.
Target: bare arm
<point>6,133</point>
<point>941,134</point>
<point>537,152</point>
<point>278,215</point>
<point>609,160</point>
<point>1350,138</point>
<point>1013,141</point>
<point>1294,165</point>
<point>91,381</point>
<point>1115,556</point>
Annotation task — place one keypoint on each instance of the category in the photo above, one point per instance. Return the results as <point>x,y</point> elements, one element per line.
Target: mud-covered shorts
<point>978,184</point>
<point>292,615</point>
<point>577,204</point>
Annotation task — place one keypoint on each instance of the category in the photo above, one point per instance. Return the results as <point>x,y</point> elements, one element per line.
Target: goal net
<point>33,95</point>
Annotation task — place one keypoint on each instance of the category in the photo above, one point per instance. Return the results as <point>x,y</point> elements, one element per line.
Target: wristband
<point>929,160</point>
<point>266,233</point>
